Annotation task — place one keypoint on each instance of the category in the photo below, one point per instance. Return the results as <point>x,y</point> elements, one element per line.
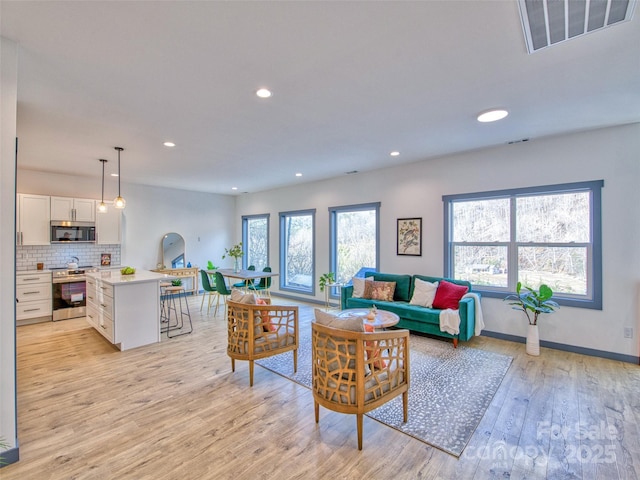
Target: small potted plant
<point>326,279</point>
<point>235,252</point>
<point>533,303</point>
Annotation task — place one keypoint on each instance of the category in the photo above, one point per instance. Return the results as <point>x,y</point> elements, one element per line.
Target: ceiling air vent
<point>547,22</point>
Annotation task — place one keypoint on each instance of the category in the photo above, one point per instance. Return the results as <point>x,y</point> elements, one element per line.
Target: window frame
<point>282,249</point>
<point>334,293</point>
<point>245,235</point>
<point>593,299</point>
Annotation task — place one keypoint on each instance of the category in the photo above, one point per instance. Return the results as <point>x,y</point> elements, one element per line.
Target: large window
<point>354,239</point>
<point>297,260</point>
<point>535,235</point>
<point>255,240</point>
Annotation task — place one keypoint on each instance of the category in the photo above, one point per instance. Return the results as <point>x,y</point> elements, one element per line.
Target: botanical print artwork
<point>409,236</point>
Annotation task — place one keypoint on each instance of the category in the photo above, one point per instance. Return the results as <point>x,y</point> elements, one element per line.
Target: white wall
<point>416,191</point>
<point>8,105</point>
<point>206,221</point>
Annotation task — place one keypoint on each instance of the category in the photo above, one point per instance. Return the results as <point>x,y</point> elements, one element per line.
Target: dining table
<point>244,275</point>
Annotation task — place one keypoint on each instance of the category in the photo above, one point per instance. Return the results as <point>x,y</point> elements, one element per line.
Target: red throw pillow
<point>269,326</point>
<point>372,350</point>
<point>448,295</point>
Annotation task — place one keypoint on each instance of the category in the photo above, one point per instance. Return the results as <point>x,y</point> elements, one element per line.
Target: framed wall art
<point>409,236</point>
<point>105,259</point>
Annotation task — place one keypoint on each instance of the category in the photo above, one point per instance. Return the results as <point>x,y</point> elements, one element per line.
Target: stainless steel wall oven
<point>70,293</point>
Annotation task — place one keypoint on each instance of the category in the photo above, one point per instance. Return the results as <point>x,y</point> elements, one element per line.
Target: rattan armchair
<point>355,372</point>
<point>259,331</point>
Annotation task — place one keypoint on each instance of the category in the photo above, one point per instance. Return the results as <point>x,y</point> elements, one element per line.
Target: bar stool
<point>180,309</point>
<point>164,316</point>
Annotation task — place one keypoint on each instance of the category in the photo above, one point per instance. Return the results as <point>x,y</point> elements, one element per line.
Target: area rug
<point>450,389</point>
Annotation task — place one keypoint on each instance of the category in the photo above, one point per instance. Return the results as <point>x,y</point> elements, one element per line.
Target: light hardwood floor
<point>175,410</point>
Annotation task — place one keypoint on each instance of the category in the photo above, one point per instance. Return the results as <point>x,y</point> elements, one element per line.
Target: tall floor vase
<point>533,341</point>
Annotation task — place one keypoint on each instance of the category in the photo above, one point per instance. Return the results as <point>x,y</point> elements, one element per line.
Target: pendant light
<point>102,207</point>
<point>119,201</point>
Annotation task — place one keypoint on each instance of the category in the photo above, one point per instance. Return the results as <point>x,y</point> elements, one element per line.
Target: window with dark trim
<point>354,239</point>
<point>255,241</point>
<point>549,234</point>
<point>297,254</point>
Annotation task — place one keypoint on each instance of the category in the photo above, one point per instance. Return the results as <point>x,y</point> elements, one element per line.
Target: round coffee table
<point>383,318</point>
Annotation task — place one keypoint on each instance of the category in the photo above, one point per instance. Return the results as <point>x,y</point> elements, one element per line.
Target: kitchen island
<point>125,309</point>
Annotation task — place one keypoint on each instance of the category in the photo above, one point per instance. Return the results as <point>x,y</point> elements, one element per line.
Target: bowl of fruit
<point>127,271</point>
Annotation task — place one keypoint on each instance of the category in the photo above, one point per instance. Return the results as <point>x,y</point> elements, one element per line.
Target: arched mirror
<point>173,251</point>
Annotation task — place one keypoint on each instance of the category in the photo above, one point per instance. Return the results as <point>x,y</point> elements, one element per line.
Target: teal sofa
<point>414,317</point>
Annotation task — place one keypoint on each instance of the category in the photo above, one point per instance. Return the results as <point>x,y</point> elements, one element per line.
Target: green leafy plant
<point>326,279</point>
<point>235,251</point>
<point>210,265</point>
<point>4,445</point>
<point>176,283</point>
<point>533,301</point>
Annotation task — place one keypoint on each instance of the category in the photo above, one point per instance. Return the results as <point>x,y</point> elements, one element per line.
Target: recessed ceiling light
<point>492,115</point>
<point>298,174</point>
<point>394,154</point>
<point>169,144</point>
<point>263,93</point>
<point>234,188</point>
<point>114,174</point>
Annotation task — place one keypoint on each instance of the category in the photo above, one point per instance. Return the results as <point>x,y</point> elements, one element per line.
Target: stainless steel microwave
<point>65,232</point>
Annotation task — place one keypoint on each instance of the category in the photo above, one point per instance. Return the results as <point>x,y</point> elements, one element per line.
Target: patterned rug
<point>449,393</point>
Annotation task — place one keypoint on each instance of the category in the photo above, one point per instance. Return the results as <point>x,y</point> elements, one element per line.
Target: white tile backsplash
<point>56,256</point>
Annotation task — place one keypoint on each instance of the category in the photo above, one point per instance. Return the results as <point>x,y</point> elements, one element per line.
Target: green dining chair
<point>245,283</point>
<point>207,288</point>
<point>223,291</point>
<point>264,285</point>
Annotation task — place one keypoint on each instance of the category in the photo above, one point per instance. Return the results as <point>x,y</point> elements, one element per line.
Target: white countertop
<point>32,272</point>
<point>114,277</point>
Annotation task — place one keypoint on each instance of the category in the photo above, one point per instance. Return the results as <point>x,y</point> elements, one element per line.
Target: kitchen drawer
<point>30,278</point>
<point>37,291</point>
<point>105,327</point>
<point>38,308</point>
<point>105,305</point>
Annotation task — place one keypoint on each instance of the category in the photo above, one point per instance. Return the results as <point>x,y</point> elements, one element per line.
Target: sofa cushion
<point>374,290</point>
<point>358,286</point>
<point>403,285</point>
<point>448,295</point>
<point>423,293</point>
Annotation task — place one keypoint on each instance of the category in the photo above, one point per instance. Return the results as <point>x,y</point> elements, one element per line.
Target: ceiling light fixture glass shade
<point>492,115</point>
<point>102,207</point>
<point>263,93</point>
<point>119,202</point>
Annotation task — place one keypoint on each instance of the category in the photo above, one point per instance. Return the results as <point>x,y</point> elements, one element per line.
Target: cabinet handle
<point>89,297</point>
<point>31,309</point>
<point>90,316</point>
<point>30,279</point>
<point>30,293</point>
<point>103,305</point>
<point>103,327</point>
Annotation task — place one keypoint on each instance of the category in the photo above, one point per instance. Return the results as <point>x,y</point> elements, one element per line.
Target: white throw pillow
<point>358,286</point>
<point>238,297</point>
<point>424,293</point>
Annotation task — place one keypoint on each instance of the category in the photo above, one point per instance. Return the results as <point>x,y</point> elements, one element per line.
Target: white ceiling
<point>351,82</point>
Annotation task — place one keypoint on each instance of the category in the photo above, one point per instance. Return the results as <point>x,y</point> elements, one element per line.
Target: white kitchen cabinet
<point>33,297</point>
<point>34,219</point>
<point>73,209</point>
<point>125,309</point>
<point>100,307</point>
<point>109,226</point>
